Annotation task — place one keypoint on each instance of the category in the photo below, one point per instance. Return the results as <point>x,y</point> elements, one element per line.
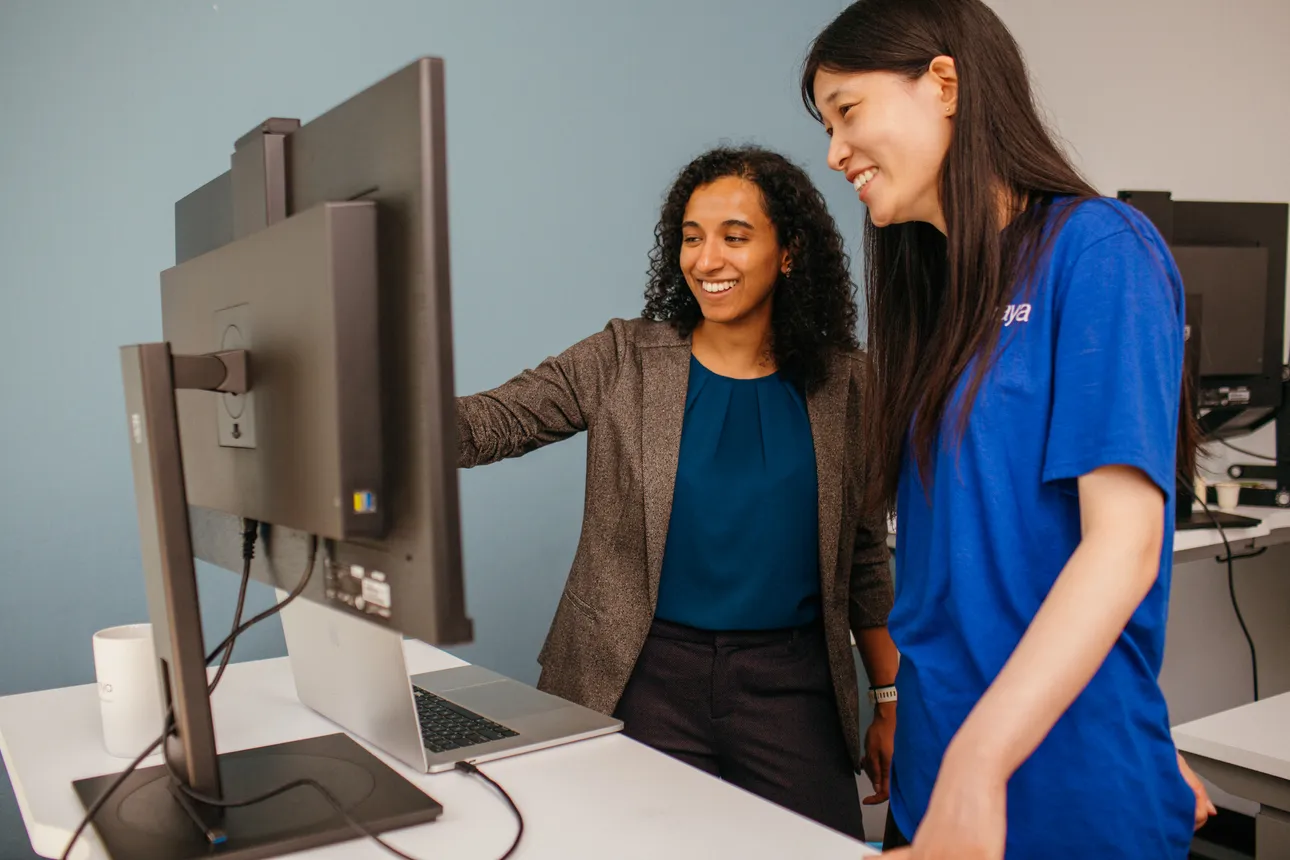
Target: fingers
<point>1203,798</point>
<point>1204,809</point>
<point>1204,806</point>
<point>879,773</point>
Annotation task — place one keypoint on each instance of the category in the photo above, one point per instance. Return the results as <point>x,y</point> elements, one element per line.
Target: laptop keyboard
<point>445,726</point>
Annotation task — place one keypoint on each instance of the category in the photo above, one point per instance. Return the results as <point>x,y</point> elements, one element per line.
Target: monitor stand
<point>148,819</point>
<point>151,816</point>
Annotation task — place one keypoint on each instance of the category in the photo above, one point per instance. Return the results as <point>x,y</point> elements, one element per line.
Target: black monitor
<point>384,146</point>
<point>305,383</point>
<point>1232,259</point>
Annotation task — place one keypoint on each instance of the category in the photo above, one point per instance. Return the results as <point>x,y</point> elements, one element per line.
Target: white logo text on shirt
<point>1016,313</point>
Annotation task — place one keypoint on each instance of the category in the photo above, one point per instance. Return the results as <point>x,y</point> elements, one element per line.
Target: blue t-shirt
<point>1088,374</point>
<point>743,543</point>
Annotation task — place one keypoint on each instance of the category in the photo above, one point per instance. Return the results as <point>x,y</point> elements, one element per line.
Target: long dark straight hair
<point>935,302</point>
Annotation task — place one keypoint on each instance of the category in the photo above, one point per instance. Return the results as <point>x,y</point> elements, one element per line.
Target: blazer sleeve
<point>871,594</point>
<point>553,401</point>
<point>871,590</point>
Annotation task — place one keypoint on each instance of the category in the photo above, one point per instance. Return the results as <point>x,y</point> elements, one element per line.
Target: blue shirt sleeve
<point>1118,360</point>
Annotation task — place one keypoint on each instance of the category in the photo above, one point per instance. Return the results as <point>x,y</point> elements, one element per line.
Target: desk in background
<point>1246,752</point>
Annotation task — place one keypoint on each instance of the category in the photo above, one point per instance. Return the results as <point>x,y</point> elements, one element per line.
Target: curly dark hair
<point>814,308</point>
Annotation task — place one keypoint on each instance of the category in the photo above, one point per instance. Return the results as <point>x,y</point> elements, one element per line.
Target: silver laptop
<point>353,673</point>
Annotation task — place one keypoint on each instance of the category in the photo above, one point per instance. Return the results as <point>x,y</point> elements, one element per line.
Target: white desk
<point>1274,529</point>
<point>1246,751</point>
<point>607,797</point>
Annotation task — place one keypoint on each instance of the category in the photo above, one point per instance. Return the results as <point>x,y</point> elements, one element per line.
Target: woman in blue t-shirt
<point>725,554</point>
<point>1026,349</point>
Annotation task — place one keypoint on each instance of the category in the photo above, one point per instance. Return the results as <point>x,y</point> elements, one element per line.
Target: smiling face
<point>730,254</point>
<point>889,136</point>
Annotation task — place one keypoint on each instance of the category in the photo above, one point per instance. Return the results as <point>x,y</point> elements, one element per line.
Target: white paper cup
<point>125,665</point>
<point>1229,495</point>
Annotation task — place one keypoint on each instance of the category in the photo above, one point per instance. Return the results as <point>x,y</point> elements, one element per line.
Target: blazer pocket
<point>570,632</point>
<point>580,604</point>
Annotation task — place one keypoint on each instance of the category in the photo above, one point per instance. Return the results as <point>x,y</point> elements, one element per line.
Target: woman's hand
<point>966,818</point>
<point>878,743</point>
<point>1204,806</point>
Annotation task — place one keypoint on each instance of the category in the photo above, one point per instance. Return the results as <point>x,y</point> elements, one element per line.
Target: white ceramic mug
<point>125,665</point>
<point>1229,495</point>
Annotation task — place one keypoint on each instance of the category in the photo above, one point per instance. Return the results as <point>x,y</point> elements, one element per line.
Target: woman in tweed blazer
<point>725,556</point>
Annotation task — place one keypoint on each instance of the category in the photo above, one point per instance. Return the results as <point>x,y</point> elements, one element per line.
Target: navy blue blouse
<point>743,543</point>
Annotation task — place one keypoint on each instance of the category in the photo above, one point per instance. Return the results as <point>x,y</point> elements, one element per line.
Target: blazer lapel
<point>666,381</point>
<point>827,408</point>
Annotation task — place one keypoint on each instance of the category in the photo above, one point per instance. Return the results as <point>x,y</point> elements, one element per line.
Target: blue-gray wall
<point>567,119</point>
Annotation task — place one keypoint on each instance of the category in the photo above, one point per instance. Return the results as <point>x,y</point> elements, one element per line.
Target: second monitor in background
<point>1232,258</point>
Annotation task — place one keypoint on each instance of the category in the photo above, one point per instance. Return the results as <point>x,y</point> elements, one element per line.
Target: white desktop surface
<point>1255,737</point>
<point>1246,752</point>
<point>606,797</point>
<point>1274,529</point>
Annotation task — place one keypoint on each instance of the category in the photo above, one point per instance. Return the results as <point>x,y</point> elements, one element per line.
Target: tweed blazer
<point>626,387</point>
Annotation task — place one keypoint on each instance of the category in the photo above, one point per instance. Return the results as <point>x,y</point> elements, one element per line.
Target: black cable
<point>353,824</point>
<point>272,610</point>
<point>283,789</point>
<point>250,530</point>
<point>1227,444</point>
<point>335,804</point>
<point>226,647</point>
<point>111,789</point>
<point>467,767</point>
<point>1231,589</point>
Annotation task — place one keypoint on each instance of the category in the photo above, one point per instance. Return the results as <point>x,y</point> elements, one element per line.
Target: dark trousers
<point>755,709</point>
<point>892,837</point>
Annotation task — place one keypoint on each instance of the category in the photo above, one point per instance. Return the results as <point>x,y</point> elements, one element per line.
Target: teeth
<point>863,178</point>
<point>717,286</point>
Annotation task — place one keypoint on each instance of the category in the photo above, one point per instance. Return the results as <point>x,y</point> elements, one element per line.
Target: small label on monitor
<point>376,593</point>
<point>365,502</point>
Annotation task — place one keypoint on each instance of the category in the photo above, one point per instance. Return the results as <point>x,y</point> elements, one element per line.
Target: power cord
<point>110,790</point>
<point>335,804</point>
<point>283,789</point>
<point>1247,453</point>
<point>239,629</point>
<point>250,528</point>
<point>467,767</point>
<point>250,531</point>
<point>1231,588</point>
